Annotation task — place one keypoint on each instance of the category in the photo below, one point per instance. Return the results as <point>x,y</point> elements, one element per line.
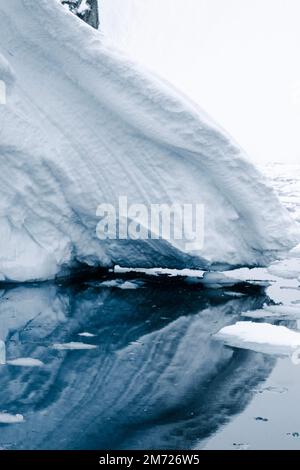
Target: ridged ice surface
<point>82,126</point>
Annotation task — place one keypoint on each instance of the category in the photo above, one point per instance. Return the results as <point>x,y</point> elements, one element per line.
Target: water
<point>153,376</point>
<point>156,379</point>
<point>272,418</point>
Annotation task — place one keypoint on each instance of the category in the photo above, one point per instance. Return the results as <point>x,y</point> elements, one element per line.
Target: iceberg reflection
<point>157,379</point>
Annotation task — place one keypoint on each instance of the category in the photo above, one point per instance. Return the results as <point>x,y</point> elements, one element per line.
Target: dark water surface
<point>157,379</point>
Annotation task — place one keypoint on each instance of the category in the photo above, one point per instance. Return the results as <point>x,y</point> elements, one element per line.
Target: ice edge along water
<point>84,125</point>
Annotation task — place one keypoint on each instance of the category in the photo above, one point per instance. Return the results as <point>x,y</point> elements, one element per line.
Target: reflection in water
<point>157,378</point>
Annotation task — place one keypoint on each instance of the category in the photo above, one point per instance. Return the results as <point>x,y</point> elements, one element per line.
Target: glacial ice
<point>84,125</point>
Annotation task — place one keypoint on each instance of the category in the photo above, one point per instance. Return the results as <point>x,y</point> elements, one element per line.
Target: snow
<point>83,7</point>
<point>262,337</point>
<point>73,346</point>
<point>84,125</point>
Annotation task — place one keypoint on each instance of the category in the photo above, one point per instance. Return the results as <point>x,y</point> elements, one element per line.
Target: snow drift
<point>84,125</point>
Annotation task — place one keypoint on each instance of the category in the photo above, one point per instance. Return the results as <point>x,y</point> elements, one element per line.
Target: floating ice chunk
<point>287,310</point>
<point>2,353</point>
<point>234,294</point>
<point>275,311</point>
<point>262,337</point>
<point>116,283</point>
<point>73,346</point>
<point>86,334</point>
<point>129,285</point>
<point>195,273</point>
<point>287,269</point>
<point>120,284</point>
<point>6,418</point>
<point>282,279</point>
<point>258,276</point>
<point>218,279</point>
<point>285,292</point>
<point>25,362</point>
<point>260,313</point>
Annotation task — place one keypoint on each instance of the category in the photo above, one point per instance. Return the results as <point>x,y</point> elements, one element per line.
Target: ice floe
<point>73,346</point>
<point>262,337</point>
<point>86,334</point>
<point>25,362</point>
<point>6,418</point>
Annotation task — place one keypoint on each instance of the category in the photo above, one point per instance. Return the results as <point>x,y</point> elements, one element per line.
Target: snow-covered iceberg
<point>84,125</point>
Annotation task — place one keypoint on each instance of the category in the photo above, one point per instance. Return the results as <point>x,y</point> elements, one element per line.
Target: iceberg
<point>84,125</point>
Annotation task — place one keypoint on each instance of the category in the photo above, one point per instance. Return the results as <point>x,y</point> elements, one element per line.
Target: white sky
<point>239,59</point>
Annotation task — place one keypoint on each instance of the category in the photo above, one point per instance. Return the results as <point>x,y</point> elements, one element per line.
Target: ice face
<point>84,126</point>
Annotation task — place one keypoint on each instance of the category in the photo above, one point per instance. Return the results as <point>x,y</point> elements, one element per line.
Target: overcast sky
<point>239,59</point>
